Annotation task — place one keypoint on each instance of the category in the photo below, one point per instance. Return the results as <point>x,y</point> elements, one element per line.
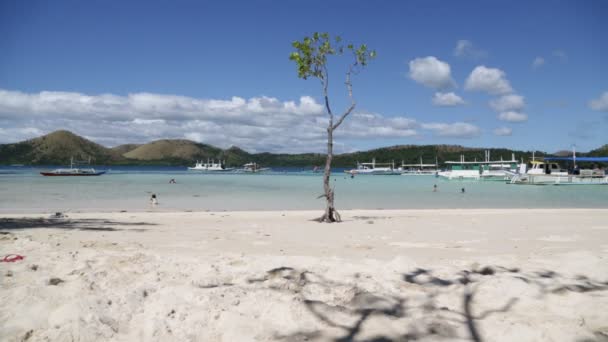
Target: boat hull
<point>474,175</point>
<point>53,174</point>
<point>210,170</point>
<point>558,180</point>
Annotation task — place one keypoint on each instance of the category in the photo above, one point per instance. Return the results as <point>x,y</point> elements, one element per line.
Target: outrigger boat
<point>419,169</point>
<point>374,168</point>
<point>210,166</point>
<point>480,170</point>
<point>253,168</point>
<point>548,172</point>
<point>73,171</point>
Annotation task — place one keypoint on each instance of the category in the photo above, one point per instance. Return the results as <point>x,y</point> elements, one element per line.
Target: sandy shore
<point>425,275</point>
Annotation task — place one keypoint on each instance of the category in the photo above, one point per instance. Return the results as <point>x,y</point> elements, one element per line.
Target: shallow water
<point>129,188</point>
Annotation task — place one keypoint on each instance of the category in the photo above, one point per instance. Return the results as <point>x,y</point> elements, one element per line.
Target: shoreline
<point>31,212</point>
<point>513,274</point>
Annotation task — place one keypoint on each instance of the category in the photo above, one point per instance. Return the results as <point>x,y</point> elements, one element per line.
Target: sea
<point>129,188</point>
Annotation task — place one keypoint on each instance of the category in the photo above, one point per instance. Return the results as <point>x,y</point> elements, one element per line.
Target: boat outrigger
<point>73,171</point>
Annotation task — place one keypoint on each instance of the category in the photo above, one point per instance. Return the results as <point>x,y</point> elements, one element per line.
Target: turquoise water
<point>24,190</point>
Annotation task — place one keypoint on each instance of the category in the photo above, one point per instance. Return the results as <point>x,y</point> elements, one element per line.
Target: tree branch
<point>325,79</point>
<point>349,86</point>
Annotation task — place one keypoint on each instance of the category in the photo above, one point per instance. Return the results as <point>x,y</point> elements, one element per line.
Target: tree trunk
<point>330,215</point>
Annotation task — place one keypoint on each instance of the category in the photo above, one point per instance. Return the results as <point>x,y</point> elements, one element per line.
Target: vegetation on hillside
<point>58,147</point>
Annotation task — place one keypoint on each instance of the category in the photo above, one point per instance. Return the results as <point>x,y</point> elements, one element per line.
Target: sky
<point>528,75</point>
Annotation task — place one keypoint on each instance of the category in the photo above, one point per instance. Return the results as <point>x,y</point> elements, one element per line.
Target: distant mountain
<point>56,148</point>
<point>563,153</point>
<point>59,146</point>
<point>122,149</point>
<point>173,150</point>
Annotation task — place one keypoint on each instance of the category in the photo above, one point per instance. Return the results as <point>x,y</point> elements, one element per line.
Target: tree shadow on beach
<point>347,315</point>
<point>70,224</point>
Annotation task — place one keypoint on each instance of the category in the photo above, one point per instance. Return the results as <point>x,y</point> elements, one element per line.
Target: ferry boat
<point>73,171</point>
<point>498,170</point>
<point>548,172</point>
<point>419,169</point>
<point>374,168</point>
<point>210,166</point>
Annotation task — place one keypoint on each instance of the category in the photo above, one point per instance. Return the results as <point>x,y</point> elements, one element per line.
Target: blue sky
<point>518,74</point>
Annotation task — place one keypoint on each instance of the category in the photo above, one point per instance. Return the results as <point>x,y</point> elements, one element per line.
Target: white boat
<point>210,166</point>
<point>548,172</point>
<point>419,169</point>
<point>253,168</point>
<point>480,170</point>
<point>374,168</point>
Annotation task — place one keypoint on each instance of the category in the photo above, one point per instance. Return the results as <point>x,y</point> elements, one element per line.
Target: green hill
<point>173,151</point>
<point>599,152</point>
<point>122,149</point>
<point>56,148</point>
<point>59,146</point>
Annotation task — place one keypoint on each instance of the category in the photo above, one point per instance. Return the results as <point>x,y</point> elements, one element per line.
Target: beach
<point>381,275</point>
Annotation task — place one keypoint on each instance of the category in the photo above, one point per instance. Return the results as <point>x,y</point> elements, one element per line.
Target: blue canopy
<point>581,159</point>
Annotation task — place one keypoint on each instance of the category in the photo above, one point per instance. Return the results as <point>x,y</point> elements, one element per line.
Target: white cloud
<point>513,117</point>
<point>447,99</point>
<point>454,130</point>
<point>561,55</point>
<point>490,80</point>
<point>151,106</point>
<point>431,72</point>
<point>503,131</point>
<point>139,121</point>
<point>465,48</point>
<point>538,62</point>
<point>13,134</point>
<point>510,102</point>
<point>601,103</point>
<point>370,125</point>
<point>256,124</point>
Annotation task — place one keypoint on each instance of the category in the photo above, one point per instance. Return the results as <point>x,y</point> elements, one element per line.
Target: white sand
<point>532,275</point>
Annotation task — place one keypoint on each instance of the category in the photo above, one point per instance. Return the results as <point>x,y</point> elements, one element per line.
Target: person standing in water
<point>153,200</point>
<point>434,187</point>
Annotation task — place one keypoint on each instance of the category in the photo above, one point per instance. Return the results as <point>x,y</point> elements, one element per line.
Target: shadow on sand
<point>67,223</point>
<point>346,317</point>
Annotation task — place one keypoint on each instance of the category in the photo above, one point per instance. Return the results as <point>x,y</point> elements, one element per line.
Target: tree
<point>311,60</point>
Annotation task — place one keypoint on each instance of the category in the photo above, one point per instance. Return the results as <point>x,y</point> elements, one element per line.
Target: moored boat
<point>419,169</point>
<point>374,168</point>
<point>253,168</point>
<point>548,172</point>
<point>480,170</point>
<point>73,171</point>
<point>210,166</point>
